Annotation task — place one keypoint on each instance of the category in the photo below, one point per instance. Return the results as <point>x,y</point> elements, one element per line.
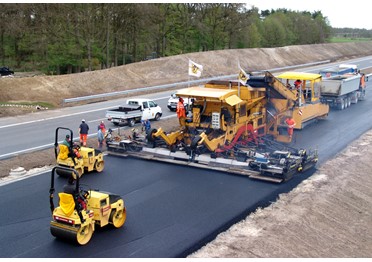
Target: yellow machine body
<point>90,160</point>
<point>102,209</point>
<point>234,111</point>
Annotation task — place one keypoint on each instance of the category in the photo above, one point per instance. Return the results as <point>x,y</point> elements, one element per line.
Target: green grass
<point>42,104</point>
<point>348,39</point>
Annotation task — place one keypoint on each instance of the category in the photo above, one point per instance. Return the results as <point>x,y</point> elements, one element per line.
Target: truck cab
<point>150,109</point>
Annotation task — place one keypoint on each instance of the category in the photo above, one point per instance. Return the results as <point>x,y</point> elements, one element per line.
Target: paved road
<point>172,210</point>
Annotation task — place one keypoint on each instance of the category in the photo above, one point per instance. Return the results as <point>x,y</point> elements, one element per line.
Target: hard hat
<point>67,136</point>
<point>83,120</point>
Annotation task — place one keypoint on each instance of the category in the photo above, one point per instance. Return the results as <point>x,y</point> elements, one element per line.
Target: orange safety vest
<point>181,110</point>
<point>363,81</point>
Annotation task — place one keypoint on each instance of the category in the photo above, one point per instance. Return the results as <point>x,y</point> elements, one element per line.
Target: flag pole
<point>188,82</point>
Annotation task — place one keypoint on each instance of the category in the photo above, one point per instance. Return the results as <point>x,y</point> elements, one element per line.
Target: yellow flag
<point>243,76</point>
<point>195,69</point>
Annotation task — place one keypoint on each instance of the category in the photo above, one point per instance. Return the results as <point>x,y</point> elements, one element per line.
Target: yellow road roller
<point>81,210</point>
<point>82,159</point>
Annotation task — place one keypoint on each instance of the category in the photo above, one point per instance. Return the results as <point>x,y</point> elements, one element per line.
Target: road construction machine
<point>80,210</point>
<point>82,159</point>
<point>228,124</point>
<point>293,95</point>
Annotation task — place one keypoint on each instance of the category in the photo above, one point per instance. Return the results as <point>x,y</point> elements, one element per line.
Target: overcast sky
<point>353,14</point>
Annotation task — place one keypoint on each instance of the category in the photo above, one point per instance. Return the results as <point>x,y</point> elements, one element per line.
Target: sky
<point>340,13</point>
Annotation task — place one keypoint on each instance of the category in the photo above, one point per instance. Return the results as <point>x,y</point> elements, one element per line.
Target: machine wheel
<point>63,173</point>
<point>195,141</point>
<point>157,117</point>
<point>150,135</point>
<point>131,122</point>
<point>84,234</point>
<point>118,217</point>
<point>99,165</point>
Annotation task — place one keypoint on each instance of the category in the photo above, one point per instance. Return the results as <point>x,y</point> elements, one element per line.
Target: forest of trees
<point>68,38</point>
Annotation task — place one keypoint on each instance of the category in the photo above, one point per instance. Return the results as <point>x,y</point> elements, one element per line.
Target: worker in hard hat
<point>291,124</point>
<point>83,131</point>
<point>181,112</point>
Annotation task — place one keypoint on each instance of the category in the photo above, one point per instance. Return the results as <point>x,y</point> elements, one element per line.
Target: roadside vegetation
<point>59,38</point>
<point>70,38</point>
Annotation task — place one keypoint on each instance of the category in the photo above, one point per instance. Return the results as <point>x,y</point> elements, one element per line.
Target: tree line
<point>67,38</point>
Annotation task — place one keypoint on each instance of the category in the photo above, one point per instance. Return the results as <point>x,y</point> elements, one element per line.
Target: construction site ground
<point>328,215</point>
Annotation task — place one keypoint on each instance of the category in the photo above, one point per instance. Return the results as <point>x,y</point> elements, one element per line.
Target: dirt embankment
<point>53,89</point>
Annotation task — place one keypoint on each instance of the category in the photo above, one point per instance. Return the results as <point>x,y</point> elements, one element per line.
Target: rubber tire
<point>84,234</point>
<point>341,106</point>
<point>150,134</point>
<point>118,217</point>
<point>99,166</point>
<point>157,117</point>
<point>131,122</point>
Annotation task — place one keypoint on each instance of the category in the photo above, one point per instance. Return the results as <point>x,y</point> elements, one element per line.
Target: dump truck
<point>340,91</point>
<point>342,86</point>
<point>339,70</point>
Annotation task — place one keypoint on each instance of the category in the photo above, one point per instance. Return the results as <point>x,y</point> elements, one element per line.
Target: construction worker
<point>290,123</point>
<point>146,125</point>
<point>100,137</point>
<point>362,80</point>
<point>297,84</point>
<point>181,112</point>
<point>83,131</point>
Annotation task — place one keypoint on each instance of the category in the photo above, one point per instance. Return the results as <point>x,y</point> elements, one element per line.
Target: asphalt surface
<point>172,210</point>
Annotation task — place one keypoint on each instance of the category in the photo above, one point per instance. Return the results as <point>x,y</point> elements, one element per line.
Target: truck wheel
<point>348,99</point>
<point>341,105</point>
<point>131,122</point>
<point>157,117</point>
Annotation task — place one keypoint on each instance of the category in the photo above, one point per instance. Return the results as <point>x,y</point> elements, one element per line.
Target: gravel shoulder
<point>327,216</point>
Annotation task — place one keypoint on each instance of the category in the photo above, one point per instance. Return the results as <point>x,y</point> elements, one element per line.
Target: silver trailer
<point>342,90</point>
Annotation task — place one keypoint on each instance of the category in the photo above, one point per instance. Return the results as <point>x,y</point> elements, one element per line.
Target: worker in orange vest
<point>181,112</point>
<point>290,123</point>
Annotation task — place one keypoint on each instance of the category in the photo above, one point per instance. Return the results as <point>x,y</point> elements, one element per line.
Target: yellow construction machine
<point>81,210</point>
<point>286,100</point>
<point>225,113</point>
<point>82,159</point>
<point>227,125</point>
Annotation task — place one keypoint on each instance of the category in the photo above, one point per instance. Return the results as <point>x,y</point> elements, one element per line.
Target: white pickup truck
<point>134,111</point>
